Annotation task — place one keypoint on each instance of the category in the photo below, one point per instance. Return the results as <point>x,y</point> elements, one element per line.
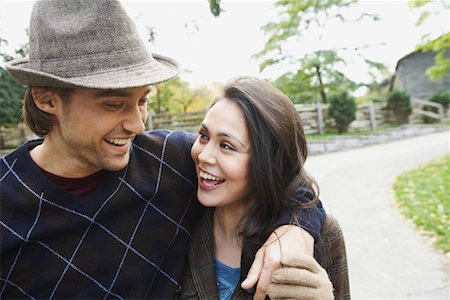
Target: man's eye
<point>112,106</point>
<point>143,102</point>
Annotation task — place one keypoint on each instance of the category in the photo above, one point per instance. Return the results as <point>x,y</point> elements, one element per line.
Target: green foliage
<point>315,79</point>
<point>342,110</point>
<point>317,72</point>
<point>175,95</point>
<point>21,52</point>
<point>440,45</point>
<point>423,197</point>
<point>11,95</point>
<point>441,65</point>
<point>214,6</point>
<point>11,92</point>
<point>297,17</point>
<point>297,87</point>
<point>399,102</point>
<point>442,97</point>
<point>152,33</point>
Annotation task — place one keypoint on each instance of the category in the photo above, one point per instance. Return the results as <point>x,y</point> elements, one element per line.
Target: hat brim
<point>160,69</point>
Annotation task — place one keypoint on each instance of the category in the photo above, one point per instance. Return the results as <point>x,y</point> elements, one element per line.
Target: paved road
<point>388,259</point>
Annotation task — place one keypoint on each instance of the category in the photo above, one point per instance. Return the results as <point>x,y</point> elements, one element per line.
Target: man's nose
<point>135,120</point>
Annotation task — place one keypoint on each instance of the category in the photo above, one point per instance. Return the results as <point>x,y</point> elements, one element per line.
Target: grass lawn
<point>423,196</point>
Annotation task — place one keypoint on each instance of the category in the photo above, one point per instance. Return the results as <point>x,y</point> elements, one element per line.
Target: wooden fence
<point>189,121</point>
<point>426,111</point>
<point>13,137</point>
<point>315,117</point>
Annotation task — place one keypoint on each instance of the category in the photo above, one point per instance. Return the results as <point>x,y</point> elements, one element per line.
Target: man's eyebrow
<point>117,93</point>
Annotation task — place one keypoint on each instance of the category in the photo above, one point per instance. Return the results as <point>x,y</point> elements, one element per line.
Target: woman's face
<point>221,154</point>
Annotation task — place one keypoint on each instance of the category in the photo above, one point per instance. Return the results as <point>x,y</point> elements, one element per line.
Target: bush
<point>442,97</point>
<point>11,95</point>
<point>399,102</point>
<point>342,110</point>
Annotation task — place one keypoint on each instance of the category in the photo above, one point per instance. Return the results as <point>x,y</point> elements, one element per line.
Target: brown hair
<point>282,187</point>
<point>41,122</point>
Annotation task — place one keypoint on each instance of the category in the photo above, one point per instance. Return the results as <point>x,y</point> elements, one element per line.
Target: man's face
<point>96,127</point>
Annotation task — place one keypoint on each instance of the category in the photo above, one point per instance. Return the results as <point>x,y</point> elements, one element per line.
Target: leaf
<point>422,18</point>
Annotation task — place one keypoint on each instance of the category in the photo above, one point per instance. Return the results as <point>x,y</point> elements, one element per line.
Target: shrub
<point>11,95</point>
<point>442,97</point>
<point>342,110</point>
<point>399,102</point>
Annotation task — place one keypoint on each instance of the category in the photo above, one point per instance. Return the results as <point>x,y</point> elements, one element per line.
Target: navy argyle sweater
<point>128,240</point>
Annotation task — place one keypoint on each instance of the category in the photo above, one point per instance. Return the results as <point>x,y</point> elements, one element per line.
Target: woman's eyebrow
<point>227,135</point>
<point>231,136</point>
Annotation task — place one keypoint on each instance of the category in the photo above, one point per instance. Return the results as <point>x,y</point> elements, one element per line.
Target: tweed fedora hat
<point>87,44</point>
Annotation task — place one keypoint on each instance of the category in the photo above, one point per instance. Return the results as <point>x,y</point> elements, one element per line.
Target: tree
<point>11,92</point>
<point>175,95</point>
<point>441,44</point>
<point>317,70</point>
<point>11,95</point>
<point>297,88</point>
<point>315,79</point>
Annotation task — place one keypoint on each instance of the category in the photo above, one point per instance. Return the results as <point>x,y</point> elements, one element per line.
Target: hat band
<point>92,64</point>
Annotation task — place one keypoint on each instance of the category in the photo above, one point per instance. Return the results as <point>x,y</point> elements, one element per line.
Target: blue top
<point>227,279</point>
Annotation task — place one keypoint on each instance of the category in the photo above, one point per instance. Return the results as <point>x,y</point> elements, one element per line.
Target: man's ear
<point>45,99</point>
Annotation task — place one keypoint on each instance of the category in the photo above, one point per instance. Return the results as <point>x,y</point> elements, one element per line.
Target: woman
<point>249,158</point>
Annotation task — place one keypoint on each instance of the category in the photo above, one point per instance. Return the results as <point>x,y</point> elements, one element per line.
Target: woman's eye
<point>227,147</point>
<point>202,135</point>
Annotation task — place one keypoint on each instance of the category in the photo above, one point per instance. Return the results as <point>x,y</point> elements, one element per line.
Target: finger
<point>255,270</point>
<point>302,261</point>
<point>296,276</point>
<point>272,262</point>
<point>264,281</point>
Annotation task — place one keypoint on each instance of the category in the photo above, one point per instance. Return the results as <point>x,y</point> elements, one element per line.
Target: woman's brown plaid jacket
<point>199,279</point>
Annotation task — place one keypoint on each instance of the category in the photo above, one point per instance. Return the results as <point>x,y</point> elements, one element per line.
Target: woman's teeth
<point>209,176</point>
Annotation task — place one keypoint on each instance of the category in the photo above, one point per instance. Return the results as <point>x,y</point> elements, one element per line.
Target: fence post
<point>373,119</point>
<point>441,113</point>
<point>319,117</point>
<point>150,115</point>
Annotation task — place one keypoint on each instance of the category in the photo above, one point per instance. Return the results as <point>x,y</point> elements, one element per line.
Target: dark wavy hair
<point>41,122</point>
<point>282,188</point>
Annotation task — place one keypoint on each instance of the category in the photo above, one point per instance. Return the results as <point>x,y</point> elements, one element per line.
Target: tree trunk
<point>323,95</point>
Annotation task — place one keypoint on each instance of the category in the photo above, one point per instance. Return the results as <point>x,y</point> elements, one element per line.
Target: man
<point>98,208</point>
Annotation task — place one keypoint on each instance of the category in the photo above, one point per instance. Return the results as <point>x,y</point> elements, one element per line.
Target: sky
<point>215,49</point>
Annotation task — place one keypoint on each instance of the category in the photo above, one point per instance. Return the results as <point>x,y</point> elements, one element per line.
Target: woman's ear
<point>44,99</point>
